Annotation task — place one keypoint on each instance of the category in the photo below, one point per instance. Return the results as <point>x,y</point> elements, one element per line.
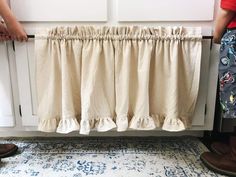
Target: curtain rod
<point>204,37</point>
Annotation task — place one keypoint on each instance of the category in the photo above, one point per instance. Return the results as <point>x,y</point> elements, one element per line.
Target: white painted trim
<point>101,134</point>
<point>212,87</point>
<point>14,83</point>
<point>32,76</point>
<point>168,10</point>
<point>59,10</point>
<point>6,102</point>
<point>23,77</point>
<point>199,114</point>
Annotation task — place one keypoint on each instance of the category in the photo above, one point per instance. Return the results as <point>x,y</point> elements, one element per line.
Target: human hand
<point>4,35</point>
<point>16,31</point>
<point>216,38</point>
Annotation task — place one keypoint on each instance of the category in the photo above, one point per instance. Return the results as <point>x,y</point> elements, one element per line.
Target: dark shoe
<point>7,150</point>
<point>220,148</point>
<point>222,164</point>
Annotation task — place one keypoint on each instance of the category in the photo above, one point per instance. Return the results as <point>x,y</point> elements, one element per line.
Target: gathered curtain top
<point>121,33</point>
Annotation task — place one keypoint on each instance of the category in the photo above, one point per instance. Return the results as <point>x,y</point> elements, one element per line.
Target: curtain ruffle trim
<point>121,33</point>
<point>60,126</point>
<point>100,124</point>
<point>173,125</point>
<point>68,125</point>
<point>48,125</point>
<point>142,123</point>
<point>122,123</point>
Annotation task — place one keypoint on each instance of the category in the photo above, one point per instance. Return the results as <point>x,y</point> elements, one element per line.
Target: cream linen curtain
<point>117,77</point>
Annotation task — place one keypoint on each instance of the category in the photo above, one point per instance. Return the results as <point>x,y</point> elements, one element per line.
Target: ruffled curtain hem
<point>122,123</point>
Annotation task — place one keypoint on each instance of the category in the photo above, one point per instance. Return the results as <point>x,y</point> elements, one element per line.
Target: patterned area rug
<point>106,157</point>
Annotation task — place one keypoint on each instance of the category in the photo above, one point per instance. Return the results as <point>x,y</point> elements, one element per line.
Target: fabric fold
<point>105,124</point>
<point>142,123</point>
<point>49,125</point>
<point>173,124</point>
<point>85,127</point>
<point>68,125</point>
<point>117,77</point>
<point>122,123</point>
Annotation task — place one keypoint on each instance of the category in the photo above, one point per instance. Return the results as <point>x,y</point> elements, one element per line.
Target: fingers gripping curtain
<point>117,77</point>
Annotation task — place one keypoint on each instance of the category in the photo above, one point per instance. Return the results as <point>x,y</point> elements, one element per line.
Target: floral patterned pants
<point>227,74</point>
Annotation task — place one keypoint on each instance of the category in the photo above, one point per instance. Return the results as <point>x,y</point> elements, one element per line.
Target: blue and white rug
<point>106,157</point>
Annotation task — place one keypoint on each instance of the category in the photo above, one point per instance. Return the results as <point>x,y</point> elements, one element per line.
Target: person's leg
<point>224,161</point>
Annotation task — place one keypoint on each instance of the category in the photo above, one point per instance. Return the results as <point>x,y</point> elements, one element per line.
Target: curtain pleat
<point>117,77</point>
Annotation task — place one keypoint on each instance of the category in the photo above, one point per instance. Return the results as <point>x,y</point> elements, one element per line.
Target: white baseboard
<point>101,134</point>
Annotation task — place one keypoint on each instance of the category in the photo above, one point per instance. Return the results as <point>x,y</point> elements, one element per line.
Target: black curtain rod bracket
<point>30,36</point>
